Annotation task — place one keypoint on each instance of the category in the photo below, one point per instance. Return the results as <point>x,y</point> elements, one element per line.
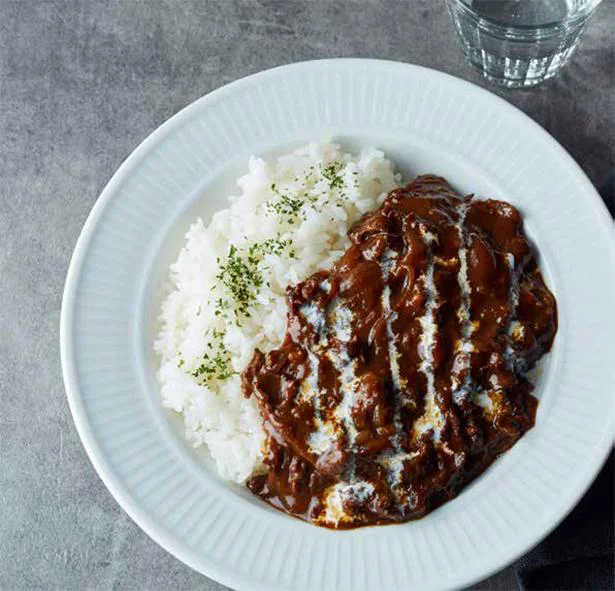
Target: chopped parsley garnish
<point>332,173</point>
<point>216,361</point>
<point>276,246</point>
<point>285,205</point>
<point>291,206</point>
<point>243,279</point>
<point>221,307</point>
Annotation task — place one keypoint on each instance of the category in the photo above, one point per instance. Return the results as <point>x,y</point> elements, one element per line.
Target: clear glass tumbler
<point>520,43</point>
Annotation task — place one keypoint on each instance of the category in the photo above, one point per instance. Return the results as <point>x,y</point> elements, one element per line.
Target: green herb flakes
<point>332,173</point>
<point>216,362</point>
<point>242,277</point>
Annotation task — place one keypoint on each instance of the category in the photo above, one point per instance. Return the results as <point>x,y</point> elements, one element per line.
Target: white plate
<point>426,122</point>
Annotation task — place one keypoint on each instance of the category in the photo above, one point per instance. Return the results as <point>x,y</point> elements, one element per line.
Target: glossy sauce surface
<point>402,373</point>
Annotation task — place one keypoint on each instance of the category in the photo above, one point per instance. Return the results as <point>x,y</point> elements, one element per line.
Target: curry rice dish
<point>353,350</point>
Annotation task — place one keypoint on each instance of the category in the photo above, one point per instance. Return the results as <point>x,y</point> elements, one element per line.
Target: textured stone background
<point>81,84</point>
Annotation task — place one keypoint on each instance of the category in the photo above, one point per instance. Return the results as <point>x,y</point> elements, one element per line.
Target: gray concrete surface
<point>81,84</point>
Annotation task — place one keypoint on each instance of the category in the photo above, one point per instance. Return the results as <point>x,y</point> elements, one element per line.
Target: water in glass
<point>520,43</point>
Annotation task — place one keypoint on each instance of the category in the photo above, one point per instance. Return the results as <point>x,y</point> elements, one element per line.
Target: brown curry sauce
<point>402,375</point>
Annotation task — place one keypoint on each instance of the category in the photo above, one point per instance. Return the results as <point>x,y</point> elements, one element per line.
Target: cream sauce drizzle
<point>393,461</point>
<point>461,389</point>
<point>513,294</point>
<point>325,433</point>
<point>338,493</point>
<point>348,382</point>
<point>323,437</point>
<point>432,416</point>
<point>389,258</point>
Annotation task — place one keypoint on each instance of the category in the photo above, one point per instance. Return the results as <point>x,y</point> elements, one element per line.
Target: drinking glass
<point>520,43</point>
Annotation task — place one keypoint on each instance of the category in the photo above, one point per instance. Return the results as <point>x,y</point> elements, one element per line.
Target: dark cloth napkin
<point>579,554</point>
<point>608,195</point>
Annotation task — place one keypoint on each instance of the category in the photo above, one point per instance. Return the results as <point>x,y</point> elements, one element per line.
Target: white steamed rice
<point>328,190</point>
